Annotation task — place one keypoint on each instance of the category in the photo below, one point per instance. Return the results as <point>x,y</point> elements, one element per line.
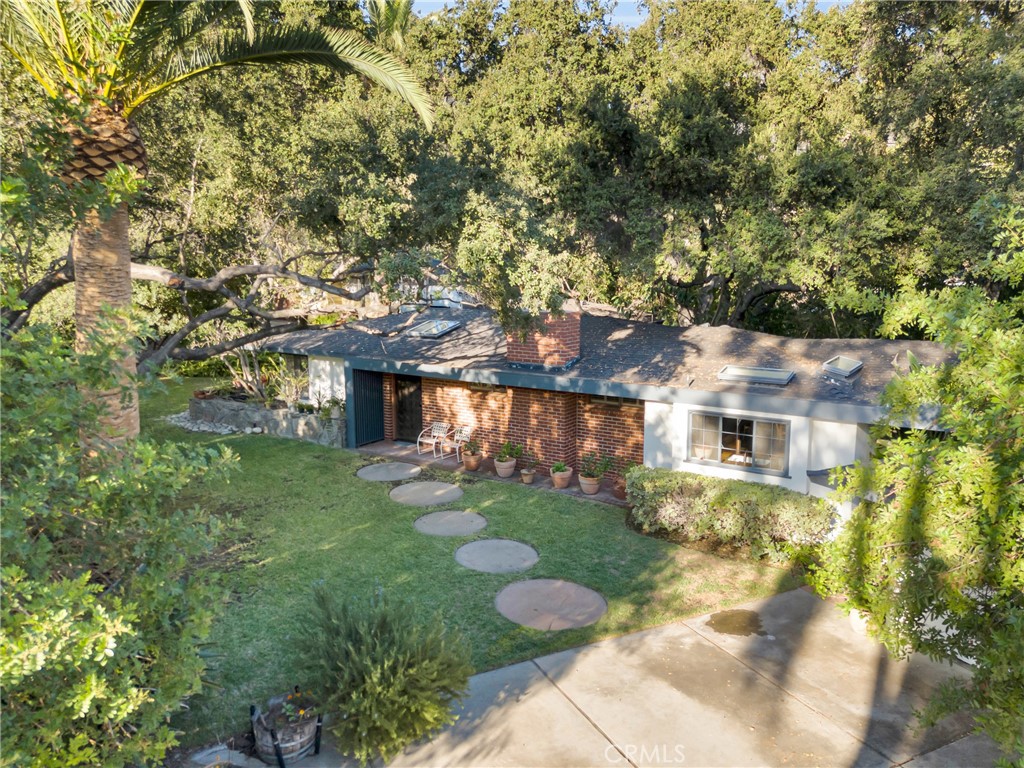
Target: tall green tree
<point>114,56</point>
<point>103,608</point>
<point>934,551</point>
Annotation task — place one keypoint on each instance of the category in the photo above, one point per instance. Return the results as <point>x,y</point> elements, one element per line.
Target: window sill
<point>744,468</point>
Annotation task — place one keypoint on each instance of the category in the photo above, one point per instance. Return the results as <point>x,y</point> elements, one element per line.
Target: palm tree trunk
<point>102,257</point>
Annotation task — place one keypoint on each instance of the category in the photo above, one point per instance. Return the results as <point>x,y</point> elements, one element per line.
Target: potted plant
<point>529,469</point>
<point>619,486</point>
<point>471,456</point>
<point>505,461</point>
<point>592,469</point>
<point>561,473</point>
<point>289,729</point>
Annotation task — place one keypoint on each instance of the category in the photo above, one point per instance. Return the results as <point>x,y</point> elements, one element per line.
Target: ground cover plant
<point>303,517</point>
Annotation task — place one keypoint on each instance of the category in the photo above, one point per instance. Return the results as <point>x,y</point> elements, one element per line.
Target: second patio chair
<point>455,440</point>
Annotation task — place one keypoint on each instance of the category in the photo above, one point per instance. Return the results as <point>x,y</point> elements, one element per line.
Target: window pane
<point>704,437</point>
<point>738,443</point>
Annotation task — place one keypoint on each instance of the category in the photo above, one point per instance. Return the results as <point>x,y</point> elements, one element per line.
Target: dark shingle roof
<point>630,352</point>
<point>691,357</point>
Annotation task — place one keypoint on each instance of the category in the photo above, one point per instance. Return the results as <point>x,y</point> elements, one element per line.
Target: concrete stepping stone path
<point>496,556</point>
<point>426,494</point>
<point>550,604</point>
<point>450,523</point>
<point>390,472</point>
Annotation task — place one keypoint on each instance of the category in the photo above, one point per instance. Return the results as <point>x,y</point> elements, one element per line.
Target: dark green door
<point>368,389</point>
<point>409,408</point>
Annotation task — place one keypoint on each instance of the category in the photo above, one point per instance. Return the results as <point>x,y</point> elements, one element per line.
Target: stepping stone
<point>426,494</point>
<point>496,556</point>
<point>450,523</point>
<point>550,604</point>
<point>393,470</point>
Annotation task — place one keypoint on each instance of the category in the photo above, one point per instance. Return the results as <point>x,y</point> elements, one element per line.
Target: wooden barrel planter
<point>282,741</point>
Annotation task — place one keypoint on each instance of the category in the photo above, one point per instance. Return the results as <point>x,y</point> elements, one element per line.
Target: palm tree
<point>110,57</point>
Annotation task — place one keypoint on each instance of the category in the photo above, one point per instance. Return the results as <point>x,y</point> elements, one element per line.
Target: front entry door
<point>408,408</point>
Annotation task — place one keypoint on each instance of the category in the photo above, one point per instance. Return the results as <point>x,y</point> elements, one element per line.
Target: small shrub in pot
<point>592,468</point>
<point>561,473</point>
<point>529,468</point>
<point>505,461</point>
<point>471,455</point>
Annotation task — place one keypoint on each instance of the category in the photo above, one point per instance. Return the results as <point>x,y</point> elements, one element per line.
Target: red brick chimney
<point>555,345</point>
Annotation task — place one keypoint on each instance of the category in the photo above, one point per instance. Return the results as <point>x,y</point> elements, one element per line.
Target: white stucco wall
<point>326,377</point>
<point>813,444</point>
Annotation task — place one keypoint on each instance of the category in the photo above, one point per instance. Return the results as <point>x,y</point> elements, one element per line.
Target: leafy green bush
<point>102,613</point>
<point>384,677</point>
<point>212,368</point>
<point>764,517</point>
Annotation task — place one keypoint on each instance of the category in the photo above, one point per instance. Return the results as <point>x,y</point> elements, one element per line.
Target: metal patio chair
<point>455,440</point>
<point>432,436</point>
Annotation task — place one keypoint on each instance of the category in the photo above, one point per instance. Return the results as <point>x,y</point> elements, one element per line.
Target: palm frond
<point>344,52</point>
<point>166,29</point>
<point>27,33</point>
<point>389,20</point>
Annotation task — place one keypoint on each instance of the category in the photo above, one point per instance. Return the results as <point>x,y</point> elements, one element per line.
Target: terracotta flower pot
<point>505,468</point>
<point>561,479</point>
<point>590,485</point>
<point>471,461</point>
<point>528,475</point>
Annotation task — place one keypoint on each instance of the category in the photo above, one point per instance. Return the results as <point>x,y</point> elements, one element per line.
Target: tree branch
<point>757,295</point>
<point>203,353</point>
<point>214,284</point>
<point>60,273</point>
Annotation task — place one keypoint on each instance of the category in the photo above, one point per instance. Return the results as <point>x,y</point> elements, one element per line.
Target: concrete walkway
<point>779,682</point>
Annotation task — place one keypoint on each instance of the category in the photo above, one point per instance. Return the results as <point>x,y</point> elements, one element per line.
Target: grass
<point>302,516</point>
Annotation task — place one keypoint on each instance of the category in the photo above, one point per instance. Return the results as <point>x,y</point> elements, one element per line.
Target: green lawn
<point>303,516</point>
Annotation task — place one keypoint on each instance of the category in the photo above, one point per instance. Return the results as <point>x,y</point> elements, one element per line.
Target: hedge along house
<point>710,400</point>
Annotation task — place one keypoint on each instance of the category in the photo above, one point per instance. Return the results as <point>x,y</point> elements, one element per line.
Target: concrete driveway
<point>780,682</point>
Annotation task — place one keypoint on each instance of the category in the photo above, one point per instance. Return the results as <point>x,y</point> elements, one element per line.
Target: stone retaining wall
<point>274,421</point>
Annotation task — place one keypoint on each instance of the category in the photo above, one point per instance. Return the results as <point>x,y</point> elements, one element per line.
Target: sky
<point>627,14</point>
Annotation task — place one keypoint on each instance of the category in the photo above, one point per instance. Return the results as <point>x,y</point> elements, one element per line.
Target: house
<point>711,400</point>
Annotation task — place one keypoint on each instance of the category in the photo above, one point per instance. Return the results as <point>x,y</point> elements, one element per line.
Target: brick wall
<point>389,406</point>
<point>543,422</point>
<point>552,426</point>
<point>556,346</point>
<point>616,431</point>
<point>454,402</point>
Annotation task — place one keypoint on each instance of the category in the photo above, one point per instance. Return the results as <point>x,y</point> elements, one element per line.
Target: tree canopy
<point>770,168</point>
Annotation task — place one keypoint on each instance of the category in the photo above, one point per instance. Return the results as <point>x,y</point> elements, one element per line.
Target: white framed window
<point>737,442</point>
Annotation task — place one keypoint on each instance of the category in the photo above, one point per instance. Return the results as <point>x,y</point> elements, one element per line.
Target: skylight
<point>841,365</point>
<point>753,375</point>
<point>433,329</point>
